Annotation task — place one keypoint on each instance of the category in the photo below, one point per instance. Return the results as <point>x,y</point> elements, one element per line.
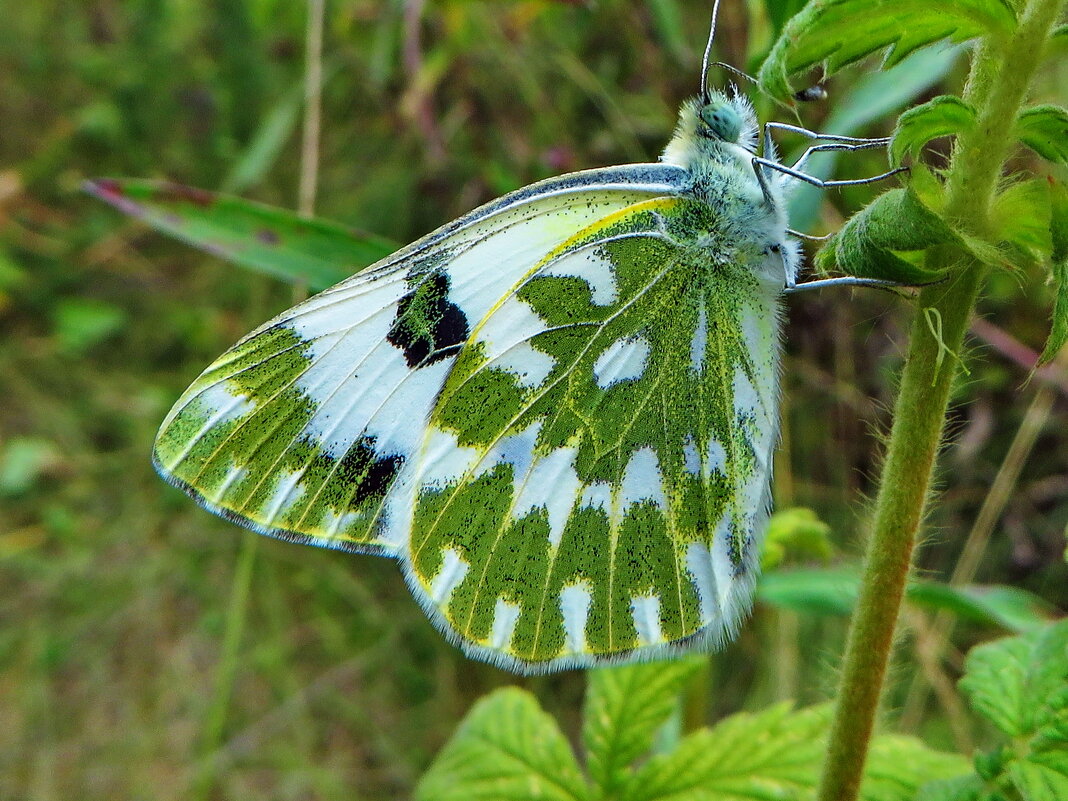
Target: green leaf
<point>896,221</point>
<point>1042,778</point>
<point>1021,219</point>
<point>834,591</point>
<point>901,221</point>
<point>1010,608</point>
<point>1044,129</point>
<point>840,32</point>
<point>945,115</point>
<point>1007,607</point>
<point>774,753</point>
<point>506,749</point>
<point>959,788</point>
<point>266,239</point>
<point>830,591</point>
<point>1020,683</point>
<point>898,767</point>
<point>795,532</point>
<point>624,708</point>
<point>81,323</point>
<point>1058,196</point>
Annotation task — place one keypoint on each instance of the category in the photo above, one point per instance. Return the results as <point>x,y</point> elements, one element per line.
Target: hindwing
<point>596,469</point>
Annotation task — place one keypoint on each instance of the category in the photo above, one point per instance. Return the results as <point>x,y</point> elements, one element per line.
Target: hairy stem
<point>1001,73</point>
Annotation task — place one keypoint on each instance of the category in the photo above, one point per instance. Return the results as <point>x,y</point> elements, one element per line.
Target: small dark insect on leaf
<point>816,92</point>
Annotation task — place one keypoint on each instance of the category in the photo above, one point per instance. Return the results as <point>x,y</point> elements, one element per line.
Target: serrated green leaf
<point>1021,219</point>
<point>959,788</point>
<point>945,115</point>
<point>1058,206</point>
<point>263,238</point>
<point>624,708</point>
<point>1020,683</point>
<point>506,749</point>
<point>774,753</point>
<point>840,32</point>
<point>1039,779</point>
<point>1044,129</point>
<point>898,766</point>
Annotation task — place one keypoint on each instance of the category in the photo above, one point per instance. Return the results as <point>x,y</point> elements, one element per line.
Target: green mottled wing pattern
<point>303,429</point>
<point>557,413</point>
<point>596,468</point>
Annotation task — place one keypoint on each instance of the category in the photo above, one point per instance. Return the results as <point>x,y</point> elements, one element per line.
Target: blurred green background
<point>132,665</point>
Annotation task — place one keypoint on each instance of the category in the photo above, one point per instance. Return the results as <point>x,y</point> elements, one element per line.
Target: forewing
<point>307,426</point>
<point>595,475</point>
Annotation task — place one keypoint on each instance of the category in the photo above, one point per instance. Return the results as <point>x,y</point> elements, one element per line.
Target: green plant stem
<point>1000,75</point>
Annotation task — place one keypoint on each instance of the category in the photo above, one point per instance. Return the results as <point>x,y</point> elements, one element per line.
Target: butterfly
<point>557,412</point>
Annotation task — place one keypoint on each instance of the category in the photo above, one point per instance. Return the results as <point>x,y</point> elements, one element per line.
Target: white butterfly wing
<point>303,429</point>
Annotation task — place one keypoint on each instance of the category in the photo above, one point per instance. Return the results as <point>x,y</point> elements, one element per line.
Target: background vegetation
<point>133,664</point>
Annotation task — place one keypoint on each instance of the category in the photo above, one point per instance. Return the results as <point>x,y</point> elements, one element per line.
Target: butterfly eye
<point>723,121</point>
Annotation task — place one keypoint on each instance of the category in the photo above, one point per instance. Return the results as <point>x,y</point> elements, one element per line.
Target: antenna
<point>739,73</point>
<point>708,52</point>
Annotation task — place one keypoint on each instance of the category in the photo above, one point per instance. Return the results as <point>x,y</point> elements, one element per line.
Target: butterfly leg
<point>760,169</point>
<point>762,165</point>
<point>844,280</point>
<point>823,283</point>
<point>830,142</point>
<point>809,237</point>
<point>852,140</point>
<point>846,146</point>
<point>812,179</point>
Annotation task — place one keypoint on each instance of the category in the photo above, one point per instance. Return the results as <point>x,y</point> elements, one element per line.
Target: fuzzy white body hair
<point>723,175</point>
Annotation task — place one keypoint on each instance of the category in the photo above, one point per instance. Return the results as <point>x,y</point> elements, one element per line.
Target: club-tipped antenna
<point>708,52</point>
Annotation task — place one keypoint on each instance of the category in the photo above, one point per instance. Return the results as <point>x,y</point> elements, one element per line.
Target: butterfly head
<point>719,119</point>
<point>714,126</point>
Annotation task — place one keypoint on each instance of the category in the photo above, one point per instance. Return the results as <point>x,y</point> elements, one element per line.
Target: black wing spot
<point>428,326</point>
<point>371,474</point>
